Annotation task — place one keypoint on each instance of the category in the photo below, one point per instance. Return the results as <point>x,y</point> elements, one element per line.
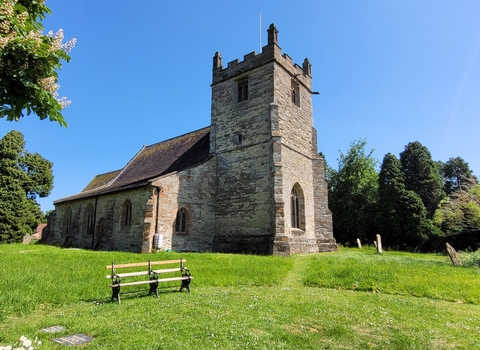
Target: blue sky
<point>390,72</point>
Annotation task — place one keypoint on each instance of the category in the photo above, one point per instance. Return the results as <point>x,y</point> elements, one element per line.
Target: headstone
<point>359,243</point>
<point>452,253</point>
<point>379,244</point>
<point>53,329</point>
<point>27,239</point>
<point>76,339</point>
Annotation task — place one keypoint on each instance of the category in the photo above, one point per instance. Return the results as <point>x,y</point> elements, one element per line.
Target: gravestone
<point>27,239</point>
<point>359,243</point>
<point>53,329</point>
<point>452,253</point>
<point>76,339</point>
<point>379,244</point>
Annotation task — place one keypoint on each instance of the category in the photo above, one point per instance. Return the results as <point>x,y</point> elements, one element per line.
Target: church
<point>251,182</point>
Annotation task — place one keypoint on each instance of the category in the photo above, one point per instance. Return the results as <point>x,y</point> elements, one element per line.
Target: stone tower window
<point>242,90</point>
<point>181,221</point>
<point>127,213</point>
<point>295,211</point>
<point>295,93</point>
<point>297,207</point>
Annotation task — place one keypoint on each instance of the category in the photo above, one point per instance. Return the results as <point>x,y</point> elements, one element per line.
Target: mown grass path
<point>294,276</point>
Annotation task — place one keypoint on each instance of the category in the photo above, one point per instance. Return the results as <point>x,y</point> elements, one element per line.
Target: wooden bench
<point>153,280</point>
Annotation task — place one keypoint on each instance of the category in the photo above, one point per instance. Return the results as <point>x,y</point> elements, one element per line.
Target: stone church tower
<point>270,192</point>
<point>251,182</point>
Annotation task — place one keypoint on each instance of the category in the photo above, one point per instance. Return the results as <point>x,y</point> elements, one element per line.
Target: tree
<point>46,215</point>
<point>23,177</point>
<point>456,175</point>
<point>29,61</point>
<point>458,217</point>
<point>401,217</point>
<point>421,175</point>
<point>353,194</point>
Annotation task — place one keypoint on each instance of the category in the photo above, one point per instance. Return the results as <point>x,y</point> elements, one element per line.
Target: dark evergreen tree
<point>401,217</point>
<point>353,195</point>
<point>456,175</point>
<point>421,175</point>
<point>23,177</point>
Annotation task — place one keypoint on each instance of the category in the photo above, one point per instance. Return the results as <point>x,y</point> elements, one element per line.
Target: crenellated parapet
<point>270,52</point>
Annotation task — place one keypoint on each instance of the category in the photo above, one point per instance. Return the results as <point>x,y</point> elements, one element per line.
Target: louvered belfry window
<point>242,89</point>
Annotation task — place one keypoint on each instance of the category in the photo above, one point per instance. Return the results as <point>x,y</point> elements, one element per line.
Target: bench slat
<point>168,270</point>
<point>129,274</point>
<point>141,273</point>
<point>163,262</point>
<point>173,279</point>
<point>133,283</point>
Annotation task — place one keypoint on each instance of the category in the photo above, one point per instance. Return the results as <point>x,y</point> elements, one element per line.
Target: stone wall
<point>190,189</point>
<point>240,144</point>
<point>110,233</point>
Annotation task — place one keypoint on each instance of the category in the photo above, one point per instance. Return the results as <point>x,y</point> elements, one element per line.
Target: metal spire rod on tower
<point>260,32</point>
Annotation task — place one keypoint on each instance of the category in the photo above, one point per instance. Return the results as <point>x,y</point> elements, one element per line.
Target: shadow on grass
<point>134,294</point>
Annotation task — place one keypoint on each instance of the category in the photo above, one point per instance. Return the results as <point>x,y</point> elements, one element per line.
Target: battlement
<point>270,52</point>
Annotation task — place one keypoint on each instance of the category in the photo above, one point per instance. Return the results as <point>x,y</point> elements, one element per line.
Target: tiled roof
<point>38,231</point>
<point>101,180</point>
<point>150,162</point>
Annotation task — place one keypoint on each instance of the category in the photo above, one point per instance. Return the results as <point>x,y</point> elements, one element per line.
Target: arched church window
<point>89,219</point>
<point>295,211</point>
<point>297,208</point>
<point>181,221</point>
<point>127,213</point>
<point>295,93</point>
<point>67,220</point>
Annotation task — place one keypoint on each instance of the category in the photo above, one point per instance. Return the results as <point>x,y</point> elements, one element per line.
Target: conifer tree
<point>23,177</point>
<point>402,217</point>
<point>421,175</point>
<point>456,175</point>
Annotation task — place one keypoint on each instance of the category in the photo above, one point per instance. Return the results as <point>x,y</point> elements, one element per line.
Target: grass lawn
<point>353,299</point>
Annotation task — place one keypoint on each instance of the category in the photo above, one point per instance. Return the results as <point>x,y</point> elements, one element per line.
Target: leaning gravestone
<point>359,243</point>
<point>452,253</point>
<point>27,239</point>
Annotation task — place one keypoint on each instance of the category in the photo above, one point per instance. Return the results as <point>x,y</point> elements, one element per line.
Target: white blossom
<point>64,102</point>
<point>69,45</point>
<point>6,8</point>
<point>4,27</point>
<point>22,18</point>
<point>49,84</point>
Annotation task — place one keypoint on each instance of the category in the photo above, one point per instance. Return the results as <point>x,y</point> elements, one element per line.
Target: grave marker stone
<point>76,339</point>
<point>379,244</point>
<point>359,243</point>
<point>27,239</point>
<point>452,253</point>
